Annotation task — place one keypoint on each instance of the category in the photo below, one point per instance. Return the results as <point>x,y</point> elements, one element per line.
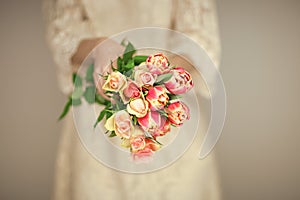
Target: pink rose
<point>157,97</point>
<point>180,82</point>
<point>115,81</point>
<point>144,78</point>
<point>158,64</point>
<point>178,112</point>
<point>155,124</point>
<point>138,107</point>
<point>130,91</point>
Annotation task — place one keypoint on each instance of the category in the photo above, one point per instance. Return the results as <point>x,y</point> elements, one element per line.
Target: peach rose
<point>144,154</point>
<point>138,107</point>
<point>120,122</point>
<point>178,112</point>
<point>137,143</point>
<point>157,97</point>
<point>115,81</point>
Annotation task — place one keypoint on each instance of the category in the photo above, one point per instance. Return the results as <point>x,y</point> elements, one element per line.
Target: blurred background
<point>258,152</point>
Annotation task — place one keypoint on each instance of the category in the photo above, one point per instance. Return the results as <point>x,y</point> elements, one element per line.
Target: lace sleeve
<point>66,25</point>
<point>198,20</point>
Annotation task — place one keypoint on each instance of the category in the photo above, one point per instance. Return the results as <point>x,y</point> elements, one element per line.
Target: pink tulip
<point>155,124</point>
<point>180,82</point>
<point>178,112</point>
<point>158,64</point>
<point>157,97</point>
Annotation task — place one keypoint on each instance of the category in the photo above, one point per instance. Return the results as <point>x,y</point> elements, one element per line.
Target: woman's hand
<point>103,51</point>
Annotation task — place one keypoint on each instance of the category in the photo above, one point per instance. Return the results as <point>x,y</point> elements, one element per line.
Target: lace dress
<point>78,174</point>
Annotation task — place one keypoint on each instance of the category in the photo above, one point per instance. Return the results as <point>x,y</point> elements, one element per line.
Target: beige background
<point>258,152</point>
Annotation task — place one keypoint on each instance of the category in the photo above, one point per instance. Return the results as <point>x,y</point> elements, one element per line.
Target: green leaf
<point>129,51</point>
<point>145,92</point>
<point>76,102</point>
<point>129,73</point>
<point>119,63</point>
<point>119,104</point>
<point>89,94</point>
<point>99,99</point>
<point>89,74</point>
<point>163,78</point>
<point>112,134</point>
<point>139,59</point>
<point>100,117</point>
<point>154,140</point>
<point>123,42</point>
<point>66,109</point>
<point>112,66</point>
<point>163,113</point>
<point>108,114</point>
<point>174,96</point>
<point>129,65</point>
<point>77,93</point>
<point>134,118</point>
<point>77,81</point>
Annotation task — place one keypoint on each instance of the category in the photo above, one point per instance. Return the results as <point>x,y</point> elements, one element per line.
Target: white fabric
<point>78,175</point>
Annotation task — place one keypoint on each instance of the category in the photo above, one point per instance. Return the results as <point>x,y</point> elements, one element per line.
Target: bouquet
<point>145,93</point>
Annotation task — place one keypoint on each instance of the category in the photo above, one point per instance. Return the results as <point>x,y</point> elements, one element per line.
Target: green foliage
<point>163,78</point>
<point>99,99</point>
<point>77,93</point>
<point>76,102</point>
<point>128,53</point>
<point>134,119</point>
<point>66,109</point>
<point>90,74</point>
<point>163,113</point>
<point>112,134</point>
<point>100,117</point>
<point>77,81</point>
<point>139,59</point>
<point>126,63</point>
<point>89,94</point>
<point>174,96</point>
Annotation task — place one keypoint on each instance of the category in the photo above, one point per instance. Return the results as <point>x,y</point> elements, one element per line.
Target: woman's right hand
<point>103,51</point>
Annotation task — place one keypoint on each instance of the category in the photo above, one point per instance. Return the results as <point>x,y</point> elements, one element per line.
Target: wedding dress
<point>78,174</point>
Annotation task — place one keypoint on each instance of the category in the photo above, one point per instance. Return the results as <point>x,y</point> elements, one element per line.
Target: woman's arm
<point>198,19</point>
<point>67,24</point>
